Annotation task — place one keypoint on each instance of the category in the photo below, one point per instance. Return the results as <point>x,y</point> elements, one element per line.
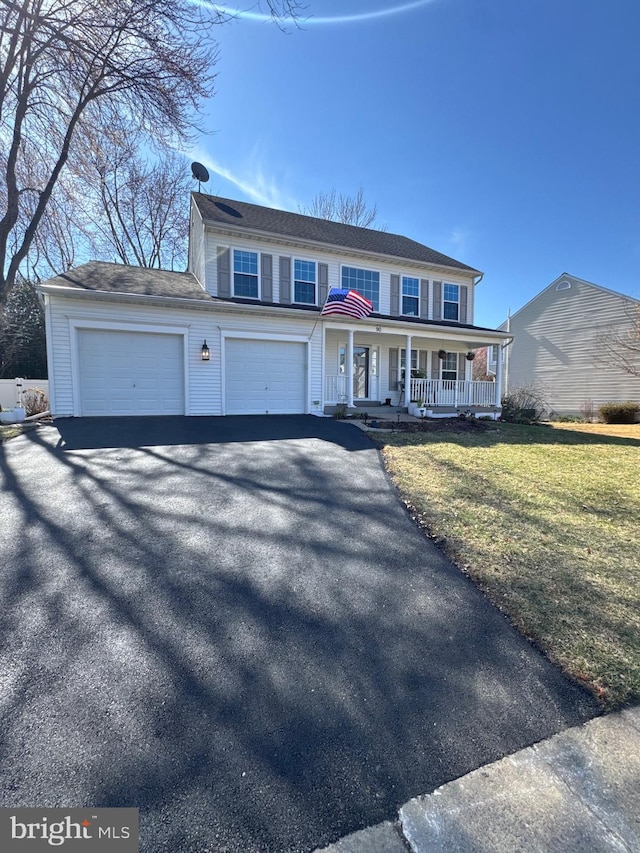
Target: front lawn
<point>545,521</point>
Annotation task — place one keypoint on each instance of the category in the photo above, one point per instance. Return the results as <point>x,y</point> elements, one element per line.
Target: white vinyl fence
<point>9,392</point>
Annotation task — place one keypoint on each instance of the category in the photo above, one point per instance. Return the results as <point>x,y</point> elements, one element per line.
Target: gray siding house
<point>561,346</point>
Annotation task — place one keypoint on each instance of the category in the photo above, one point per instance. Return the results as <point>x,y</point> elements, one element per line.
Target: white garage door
<point>265,377</point>
<point>130,373</point>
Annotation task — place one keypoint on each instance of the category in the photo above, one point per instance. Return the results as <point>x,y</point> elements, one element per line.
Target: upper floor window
<point>410,296</point>
<point>245,274</point>
<point>450,366</point>
<point>304,282</point>
<point>451,302</point>
<point>366,282</point>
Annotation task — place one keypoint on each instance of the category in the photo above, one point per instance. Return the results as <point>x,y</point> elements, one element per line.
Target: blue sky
<point>505,133</point>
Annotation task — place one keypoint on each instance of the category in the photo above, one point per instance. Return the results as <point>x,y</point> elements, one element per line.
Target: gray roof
<point>253,217</point>
<point>118,278</point>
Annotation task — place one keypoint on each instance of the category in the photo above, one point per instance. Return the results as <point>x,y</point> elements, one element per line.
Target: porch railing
<point>453,392</point>
<point>335,389</point>
<point>434,392</point>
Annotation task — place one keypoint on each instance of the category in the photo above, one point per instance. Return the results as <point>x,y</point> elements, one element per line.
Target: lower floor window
<point>450,366</point>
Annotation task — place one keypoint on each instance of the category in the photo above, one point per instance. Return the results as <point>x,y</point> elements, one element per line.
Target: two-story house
<point>242,331</point>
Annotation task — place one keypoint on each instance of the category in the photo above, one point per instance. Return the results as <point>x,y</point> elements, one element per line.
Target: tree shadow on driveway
<point>247,639</point>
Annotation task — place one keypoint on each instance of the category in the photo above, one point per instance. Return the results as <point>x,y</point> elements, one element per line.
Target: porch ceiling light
<point>205,354</point>
<point>442,354</point>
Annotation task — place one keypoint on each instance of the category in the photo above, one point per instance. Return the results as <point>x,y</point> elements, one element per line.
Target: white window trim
<point>451,301</point>
<point>457,370</point>
<point>365,269</point>
<point>417,278</point>
<point>76,325</point>
<point>293,281</point>
<point>235,249</point>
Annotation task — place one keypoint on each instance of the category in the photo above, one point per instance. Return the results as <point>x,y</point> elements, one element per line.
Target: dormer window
<point>451,302</point>
<point>245,274</point>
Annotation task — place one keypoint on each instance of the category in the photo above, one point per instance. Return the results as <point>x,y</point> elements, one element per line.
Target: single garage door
<point>265,377</point>
<point>130,373</point>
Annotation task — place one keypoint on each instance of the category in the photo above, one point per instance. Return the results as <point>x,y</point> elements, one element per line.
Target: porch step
<point>373,409</point>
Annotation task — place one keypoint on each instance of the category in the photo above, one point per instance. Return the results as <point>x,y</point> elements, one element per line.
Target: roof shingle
<point>118,278</point>
<point>253,217</point>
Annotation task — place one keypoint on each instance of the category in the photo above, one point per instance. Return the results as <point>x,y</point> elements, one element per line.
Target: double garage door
<point>265,377</point>
<point>142,373</point>
<point>130,373</point>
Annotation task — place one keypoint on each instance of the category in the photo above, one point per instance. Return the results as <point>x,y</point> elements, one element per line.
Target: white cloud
<point>306,20</point>
<point>459,240</point>
<point>251,180</point>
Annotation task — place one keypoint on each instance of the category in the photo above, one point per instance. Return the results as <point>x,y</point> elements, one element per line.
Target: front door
<point>364,373</point>
<point>361,373</point>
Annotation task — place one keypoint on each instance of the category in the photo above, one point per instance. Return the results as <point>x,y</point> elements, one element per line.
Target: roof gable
<point>257,219</point>
<point>572,279</point>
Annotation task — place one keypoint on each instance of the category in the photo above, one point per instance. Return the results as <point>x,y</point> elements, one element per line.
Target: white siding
<point>203,379</point>
<point>197,245</point>
<point>556,347</point>
<point>334,262</point>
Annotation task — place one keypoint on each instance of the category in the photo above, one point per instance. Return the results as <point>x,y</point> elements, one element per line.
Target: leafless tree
<point>138,208</point>
<point>619,346</point>
<point>351,210</point>
<point>69,68</point>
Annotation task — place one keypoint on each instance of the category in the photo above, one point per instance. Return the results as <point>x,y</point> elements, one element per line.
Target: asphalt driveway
<point>234,625</point>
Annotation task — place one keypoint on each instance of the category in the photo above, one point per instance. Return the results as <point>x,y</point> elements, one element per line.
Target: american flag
<point>342,301</point>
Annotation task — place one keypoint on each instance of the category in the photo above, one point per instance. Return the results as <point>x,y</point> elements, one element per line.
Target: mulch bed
<point>432,425</point>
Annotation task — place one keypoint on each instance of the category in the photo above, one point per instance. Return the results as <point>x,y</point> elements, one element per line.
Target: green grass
<point>545,521</point>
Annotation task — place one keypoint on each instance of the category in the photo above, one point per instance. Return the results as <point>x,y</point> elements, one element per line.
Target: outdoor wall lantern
<point>471,356</point>
<point>442,354</point>
<point>205,354</point>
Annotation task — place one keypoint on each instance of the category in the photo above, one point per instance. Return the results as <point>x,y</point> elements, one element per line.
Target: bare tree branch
<point>71,69</point>
<point>619,346</point>
<point>351,210</point>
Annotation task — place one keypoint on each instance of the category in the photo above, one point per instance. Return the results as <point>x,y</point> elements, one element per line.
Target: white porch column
<point>349,369</point>
<point>498,388</point>
<point>407,372</point>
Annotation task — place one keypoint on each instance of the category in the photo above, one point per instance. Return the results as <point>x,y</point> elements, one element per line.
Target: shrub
<point>523,406</point>
<point>587,411</point>
<point>35,401</point>
<point>619,413</point>
<point>340,413</point>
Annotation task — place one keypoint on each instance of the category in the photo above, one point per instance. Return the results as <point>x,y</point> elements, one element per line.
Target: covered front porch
<point>368,367</point>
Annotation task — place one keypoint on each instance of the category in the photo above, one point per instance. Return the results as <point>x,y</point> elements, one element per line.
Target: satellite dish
<point>200,173</point>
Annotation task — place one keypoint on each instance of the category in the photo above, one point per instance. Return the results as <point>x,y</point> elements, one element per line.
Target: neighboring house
<point>561,346</point>
<point>125,340</point>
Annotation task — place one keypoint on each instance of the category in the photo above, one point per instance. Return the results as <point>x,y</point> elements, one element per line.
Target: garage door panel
<point>130,373</point>
<point>265,377</point>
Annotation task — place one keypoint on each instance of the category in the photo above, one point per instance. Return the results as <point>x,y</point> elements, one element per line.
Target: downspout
<point>505,347</point>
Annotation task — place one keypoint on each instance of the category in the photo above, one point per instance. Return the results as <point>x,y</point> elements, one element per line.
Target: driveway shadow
<point>88,433</point>
<point>245,637</point>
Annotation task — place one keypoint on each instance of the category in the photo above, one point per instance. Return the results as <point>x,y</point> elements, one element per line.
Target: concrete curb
<point>576,791</point>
